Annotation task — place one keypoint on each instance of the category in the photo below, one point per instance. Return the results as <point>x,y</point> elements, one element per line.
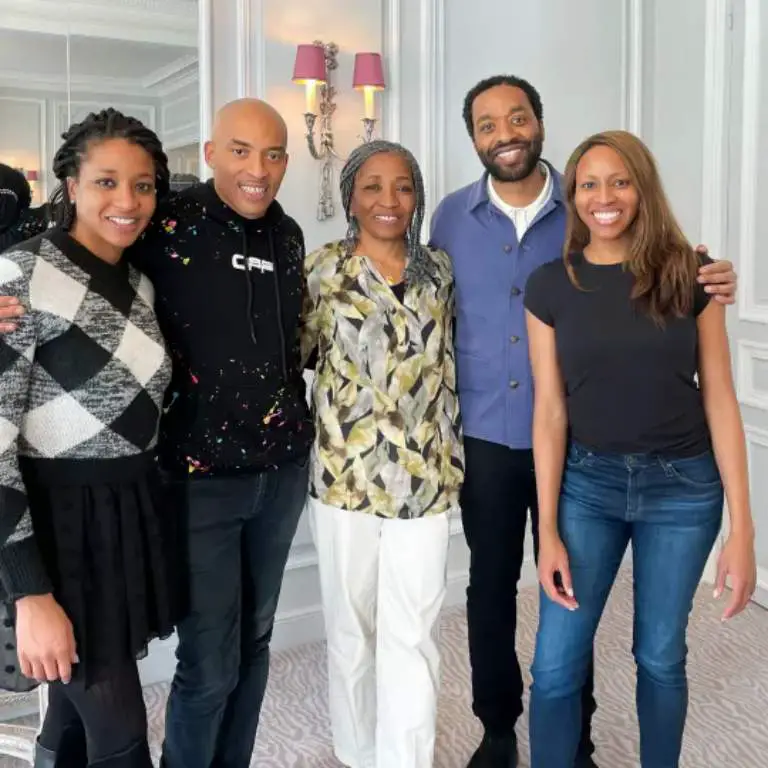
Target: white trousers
<point>383,584</point>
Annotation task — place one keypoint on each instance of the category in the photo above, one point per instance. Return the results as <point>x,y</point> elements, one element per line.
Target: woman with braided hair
<point>82,378</point>
<point>387,462</point>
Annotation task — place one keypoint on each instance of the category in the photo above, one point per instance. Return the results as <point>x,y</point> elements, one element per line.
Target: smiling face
<point>114,196</point>
<point>383,200</point>
<point>248,156</point>
<point>507,136</point>
<point>606,199</point>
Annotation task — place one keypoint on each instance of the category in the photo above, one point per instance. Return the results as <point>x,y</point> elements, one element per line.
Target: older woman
<point>387,462</point>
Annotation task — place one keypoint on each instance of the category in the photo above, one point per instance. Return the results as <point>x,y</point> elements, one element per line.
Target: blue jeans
<point>239,535</point>
<point>670,510</point>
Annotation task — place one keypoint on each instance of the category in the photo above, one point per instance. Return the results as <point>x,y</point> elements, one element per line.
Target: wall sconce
<point>368,78</point>
<point>313,68</point>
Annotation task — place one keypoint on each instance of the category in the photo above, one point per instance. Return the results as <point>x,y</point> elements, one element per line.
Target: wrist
<point>742,531</point>
<point>548,530</point>
<point>33,600</point>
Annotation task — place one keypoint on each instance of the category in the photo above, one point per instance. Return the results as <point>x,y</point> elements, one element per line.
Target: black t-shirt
<point>630,385</point>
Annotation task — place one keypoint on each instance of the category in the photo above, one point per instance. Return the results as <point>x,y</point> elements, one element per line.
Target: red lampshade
<point>368,71</point>
<point>310,64</point>
<point>32,176</point>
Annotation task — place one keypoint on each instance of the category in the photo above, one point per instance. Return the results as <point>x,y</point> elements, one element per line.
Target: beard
<point>523,168</point>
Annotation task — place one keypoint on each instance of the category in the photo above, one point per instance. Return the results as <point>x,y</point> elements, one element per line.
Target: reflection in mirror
<point>143,63</point>
<point>29,87</point>
<point>60,60</point>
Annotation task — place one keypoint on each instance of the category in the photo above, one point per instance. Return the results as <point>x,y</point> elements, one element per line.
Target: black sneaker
<point>495,752</point>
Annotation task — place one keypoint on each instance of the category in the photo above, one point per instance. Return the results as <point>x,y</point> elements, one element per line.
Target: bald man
<point>234,442</point>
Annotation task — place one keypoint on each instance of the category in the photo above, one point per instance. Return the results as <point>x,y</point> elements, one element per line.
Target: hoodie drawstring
<point>278,300</point>
<point>279,303</point>
<point>249,285</point>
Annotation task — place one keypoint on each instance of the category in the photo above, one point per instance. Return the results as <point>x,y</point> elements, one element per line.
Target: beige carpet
<point>728,715</point>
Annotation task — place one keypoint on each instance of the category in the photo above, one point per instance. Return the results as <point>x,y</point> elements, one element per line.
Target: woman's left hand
<point>737,562</point>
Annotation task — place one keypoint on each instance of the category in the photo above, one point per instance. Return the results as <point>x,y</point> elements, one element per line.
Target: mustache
<point>509,145</point>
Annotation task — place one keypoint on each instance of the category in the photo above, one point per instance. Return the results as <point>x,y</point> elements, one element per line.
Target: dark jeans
<point>499,489</point>
<point>670,511</point>
<point>240,533</point>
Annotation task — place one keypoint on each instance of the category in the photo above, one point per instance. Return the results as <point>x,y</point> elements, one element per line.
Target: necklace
<point>389,279</point>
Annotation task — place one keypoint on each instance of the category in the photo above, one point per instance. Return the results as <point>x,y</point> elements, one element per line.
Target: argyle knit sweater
<point>83,377</point>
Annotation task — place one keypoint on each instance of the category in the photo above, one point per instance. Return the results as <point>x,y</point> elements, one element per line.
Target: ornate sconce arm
<point>315,65</point>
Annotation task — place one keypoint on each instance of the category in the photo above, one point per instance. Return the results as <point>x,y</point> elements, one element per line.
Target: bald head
<point>247,153</point>
<point>253,112</point>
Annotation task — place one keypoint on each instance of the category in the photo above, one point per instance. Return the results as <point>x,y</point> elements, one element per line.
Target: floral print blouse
<point>384,397</point>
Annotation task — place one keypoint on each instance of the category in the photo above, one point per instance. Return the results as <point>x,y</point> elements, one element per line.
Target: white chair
<point>19,740</point>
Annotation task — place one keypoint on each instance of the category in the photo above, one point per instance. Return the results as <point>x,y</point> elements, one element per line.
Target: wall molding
<point>243,48</point>
<point>757,436</point>
<point>632,67</point>
<point>750,309</point>
<point>714,215</point>
<point>62,112</point>
<point>761,593</point>
<point>167,80</point>
<point>258,69</point>
<point>392,55</point>
<point>164,81</point>
<point>251,50</point>
<point>747,354</point>
<point>43,146</point>
<point>168,22</point>
<point>205,77</point>
<point>433,117</point>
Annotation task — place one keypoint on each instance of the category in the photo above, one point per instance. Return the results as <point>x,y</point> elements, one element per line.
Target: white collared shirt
<point>522,217</point>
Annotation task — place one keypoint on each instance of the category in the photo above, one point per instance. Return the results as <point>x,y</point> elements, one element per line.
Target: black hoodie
<point>228,297</point>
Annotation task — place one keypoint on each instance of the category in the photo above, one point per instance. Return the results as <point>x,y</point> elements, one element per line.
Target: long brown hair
<point>662,260</point>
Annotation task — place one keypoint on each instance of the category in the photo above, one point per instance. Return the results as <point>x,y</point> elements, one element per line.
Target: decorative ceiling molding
<point>159,84</point>
<point>170,78</point>
<point>169,22</point>
<point>153,6</point>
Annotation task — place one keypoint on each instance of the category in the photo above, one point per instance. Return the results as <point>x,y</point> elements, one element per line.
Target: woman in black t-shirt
<point>637,435</point>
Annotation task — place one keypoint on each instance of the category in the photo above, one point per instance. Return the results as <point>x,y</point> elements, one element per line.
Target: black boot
<point>495,752</point>
<point>136,756</point>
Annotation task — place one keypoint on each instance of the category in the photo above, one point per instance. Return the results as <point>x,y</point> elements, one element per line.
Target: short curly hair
<point>492,82</point>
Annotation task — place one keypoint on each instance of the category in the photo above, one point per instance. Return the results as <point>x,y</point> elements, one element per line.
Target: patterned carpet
<point>728,715</point>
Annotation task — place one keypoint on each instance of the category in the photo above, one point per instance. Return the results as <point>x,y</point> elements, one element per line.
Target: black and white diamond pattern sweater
<point>82,377</point>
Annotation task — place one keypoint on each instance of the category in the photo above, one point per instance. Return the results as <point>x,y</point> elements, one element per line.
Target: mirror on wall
<point>31,87</point>
<point>144,64</point>
<point>61,59</point>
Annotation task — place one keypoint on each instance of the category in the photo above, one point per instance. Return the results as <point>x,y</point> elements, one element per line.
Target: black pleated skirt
<point>107,536</point>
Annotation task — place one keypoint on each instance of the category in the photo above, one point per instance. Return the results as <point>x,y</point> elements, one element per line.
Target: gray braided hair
<point>420,264</point>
